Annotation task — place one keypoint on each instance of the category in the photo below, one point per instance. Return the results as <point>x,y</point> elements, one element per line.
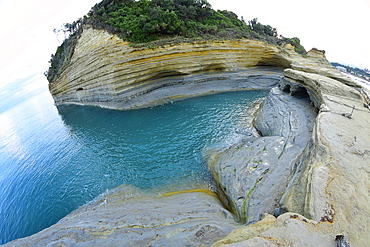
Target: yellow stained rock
<point>103,67</point>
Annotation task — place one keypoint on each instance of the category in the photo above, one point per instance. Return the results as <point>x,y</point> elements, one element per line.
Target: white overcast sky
<point>339,27</point>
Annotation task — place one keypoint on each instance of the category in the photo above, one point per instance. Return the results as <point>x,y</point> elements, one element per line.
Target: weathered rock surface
<point>254,173</point>
<point>287,230</point>
<point>313,164</point>
<point>108,72</point>
<point>332,183</point>
<point>329,182</point>
<point>129,217</point>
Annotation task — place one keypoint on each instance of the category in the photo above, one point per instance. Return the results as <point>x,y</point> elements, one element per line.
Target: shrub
<point>141,21</point>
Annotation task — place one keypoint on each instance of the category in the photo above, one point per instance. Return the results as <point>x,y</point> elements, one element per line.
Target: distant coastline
<point>361,73</point>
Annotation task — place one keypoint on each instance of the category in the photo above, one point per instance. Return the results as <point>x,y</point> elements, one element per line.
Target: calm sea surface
<point>53,160</point>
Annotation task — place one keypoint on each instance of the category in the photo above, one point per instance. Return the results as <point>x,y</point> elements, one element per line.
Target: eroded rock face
<point>254,173</point>
<point>330,179</point>
<point>289,229</point>
<point>129,217</point>
<point>333,185</point>
<point>108,72</point>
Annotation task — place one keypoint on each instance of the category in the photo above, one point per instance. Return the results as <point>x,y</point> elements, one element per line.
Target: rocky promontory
<point>108,72</point>
<point>302,178</point>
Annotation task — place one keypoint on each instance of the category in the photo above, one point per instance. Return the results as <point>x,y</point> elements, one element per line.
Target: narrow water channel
<point>54,160</point>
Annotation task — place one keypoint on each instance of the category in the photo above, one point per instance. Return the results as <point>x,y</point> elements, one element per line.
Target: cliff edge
<point>106,71</point>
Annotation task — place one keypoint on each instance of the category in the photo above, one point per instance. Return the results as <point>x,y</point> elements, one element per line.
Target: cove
<point>54,160</point>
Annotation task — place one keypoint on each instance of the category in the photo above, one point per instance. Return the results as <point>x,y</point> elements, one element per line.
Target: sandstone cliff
<point>108,72</point>
<point>308,165</point>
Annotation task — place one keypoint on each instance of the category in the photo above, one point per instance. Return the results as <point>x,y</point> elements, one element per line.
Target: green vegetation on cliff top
<point>142,21</point>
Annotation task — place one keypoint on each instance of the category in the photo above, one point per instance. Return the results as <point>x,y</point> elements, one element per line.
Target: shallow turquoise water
<point>53,160</point>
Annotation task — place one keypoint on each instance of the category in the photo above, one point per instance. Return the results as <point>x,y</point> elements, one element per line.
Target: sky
<point>341,28</point>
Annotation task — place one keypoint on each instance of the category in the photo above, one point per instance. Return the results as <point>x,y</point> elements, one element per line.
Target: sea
<point>54,159</point>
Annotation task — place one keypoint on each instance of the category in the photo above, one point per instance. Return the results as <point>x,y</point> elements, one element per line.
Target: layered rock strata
<point>108,72</point>
<point>333,180</point>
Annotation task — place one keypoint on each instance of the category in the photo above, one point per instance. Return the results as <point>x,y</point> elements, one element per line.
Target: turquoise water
<point>53,160</point>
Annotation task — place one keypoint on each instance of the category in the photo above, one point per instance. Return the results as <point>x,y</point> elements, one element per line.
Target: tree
<point>262,29</point>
